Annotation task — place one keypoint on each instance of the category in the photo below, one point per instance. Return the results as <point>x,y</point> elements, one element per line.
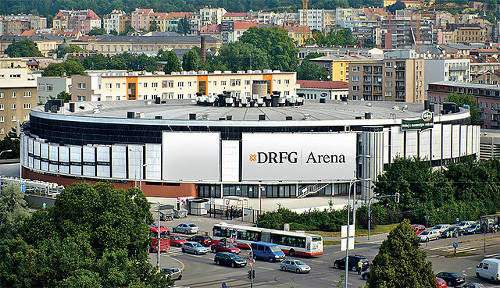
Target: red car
<point>418,228</point>
<point>220,247</point>
<point>177,240</point>
<point>203,240</point>
<point>441,283</point>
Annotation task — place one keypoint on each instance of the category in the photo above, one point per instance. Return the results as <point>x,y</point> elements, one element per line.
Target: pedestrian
<point>360,267</point>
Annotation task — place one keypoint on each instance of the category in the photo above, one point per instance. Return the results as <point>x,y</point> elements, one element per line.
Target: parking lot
<point>201,271</point>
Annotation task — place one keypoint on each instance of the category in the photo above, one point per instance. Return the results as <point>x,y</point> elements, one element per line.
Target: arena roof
<point>311,113</point>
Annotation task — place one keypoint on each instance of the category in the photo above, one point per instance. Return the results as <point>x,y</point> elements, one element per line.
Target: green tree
<point>68,68</point>
<point>70,49</point>
<point>127,30</point>
<point>154,27</point>
<point>461,100</point>
<point>173,64</point>
<point>10,142</point>
<point>191,61</point>
<point>64,96</point>
<point>113,32</point>
<point>311,71</point>
<point>313,55</point>
<point>184,27</point>
<point>13,210</point>
<point>278,45</point>
<point>213,63</point>
<point>97,31</point>
<point>400,262</point>
<point>24,48</point>
<point>240,56</point>
<point>94,236</point>
<point>396,6</point>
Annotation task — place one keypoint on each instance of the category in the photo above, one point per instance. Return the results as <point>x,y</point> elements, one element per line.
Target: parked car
<point>441,227</point>
<point>186,228</point>
<point>164,245</point>
<point>464,224</point>
<point>353,263</point>
<point>451,278</point>
<point>194,248</point>
<point>220,247</point>
<point>202,239</point>
<point>489,268</point>
<point>173,272</point>
<point>441,283</point>
<point>229,259</point>
<point>473,285</point>
<point>297,266</point>
<point>177,240</point>
<point>473,229</point>
<point>366,274</point>
<point>454,231</point>
<point>429,235</point>
<point>267,251</point>
<point>418,228</point>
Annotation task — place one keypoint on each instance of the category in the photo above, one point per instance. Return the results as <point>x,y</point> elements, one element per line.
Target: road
<point>200,271</point>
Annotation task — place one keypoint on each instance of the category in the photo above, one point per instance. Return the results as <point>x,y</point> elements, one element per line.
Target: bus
<point>164,239</point>
<point>164,232</point>
<point>292,243</point>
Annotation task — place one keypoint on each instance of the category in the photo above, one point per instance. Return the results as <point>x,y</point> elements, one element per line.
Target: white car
<point>441,227</point>
<point>465,224</point>
<point>429,235</point>
<point>186,228</point>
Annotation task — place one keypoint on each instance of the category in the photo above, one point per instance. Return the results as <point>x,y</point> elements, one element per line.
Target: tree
<point>173,64</point>
<point>313,55</point>
<point>184,27</point>
<point>64,96</point>
<point>278,45</point>
<point>191,61</point>
<point>10,142</point>
<point>24,48</point>
<point>400,262</point>
<point>461,100</point>
<point>97,31</point>
<point>69,49</point>
<point>113,32</point>
<point>396,6</point>
<point>13,210</point>
<point>94,236</point>
<point>240,56</point>
<point>154,27</point>
<point>68,68</point>
<point>128,29</point>
<point>311,71</point>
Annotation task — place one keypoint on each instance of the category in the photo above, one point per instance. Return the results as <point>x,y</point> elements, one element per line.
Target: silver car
<point>297,266</point>
<point>186,228</point>
<point>173,272</point>
<point>194,248</point>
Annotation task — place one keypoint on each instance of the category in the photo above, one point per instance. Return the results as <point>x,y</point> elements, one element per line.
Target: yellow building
<point>299,34</point>
<point>409,3</point>
<point>338,66</point>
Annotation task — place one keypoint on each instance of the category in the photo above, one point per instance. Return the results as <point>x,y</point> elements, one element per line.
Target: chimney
<point>203,52</point>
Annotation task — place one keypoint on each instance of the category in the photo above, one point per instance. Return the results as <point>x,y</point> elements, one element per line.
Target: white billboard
<point>298,157</point>
<point>191,156</point>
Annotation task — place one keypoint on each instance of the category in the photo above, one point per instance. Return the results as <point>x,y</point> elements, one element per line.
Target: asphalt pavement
<point>200,270</point>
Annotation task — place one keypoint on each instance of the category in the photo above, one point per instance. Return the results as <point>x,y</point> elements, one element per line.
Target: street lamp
<point>351,184</point>
<point>4,151</point>
<point>369,210</point>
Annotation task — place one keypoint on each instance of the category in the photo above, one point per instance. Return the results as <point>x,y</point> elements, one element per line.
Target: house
<point>328,90</point>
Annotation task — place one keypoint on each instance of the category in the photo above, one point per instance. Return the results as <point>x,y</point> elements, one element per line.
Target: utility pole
<point>159,244</point>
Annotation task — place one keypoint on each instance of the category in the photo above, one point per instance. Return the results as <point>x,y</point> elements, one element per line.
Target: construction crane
<point>305,23</point>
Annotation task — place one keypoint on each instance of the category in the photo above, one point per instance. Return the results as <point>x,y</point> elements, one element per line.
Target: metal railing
<point>311,189</point>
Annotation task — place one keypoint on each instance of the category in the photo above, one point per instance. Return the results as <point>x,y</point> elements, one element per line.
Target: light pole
<point>260,199</point>
<point>142,175</point>
<point>4,151</point>
<point>159,243</point>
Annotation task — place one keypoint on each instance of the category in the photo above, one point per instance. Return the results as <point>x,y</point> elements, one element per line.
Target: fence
<point>232,213</point>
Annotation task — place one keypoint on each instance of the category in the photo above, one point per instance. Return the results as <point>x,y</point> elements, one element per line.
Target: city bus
<point>164,239</point>
<point>292,243</point>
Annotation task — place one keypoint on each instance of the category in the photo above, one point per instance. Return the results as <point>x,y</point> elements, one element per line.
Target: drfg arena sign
<point>298,157</point>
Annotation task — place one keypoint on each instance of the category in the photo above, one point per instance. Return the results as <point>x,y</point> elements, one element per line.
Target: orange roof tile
<point>242,25</point>
<point>178,15</point>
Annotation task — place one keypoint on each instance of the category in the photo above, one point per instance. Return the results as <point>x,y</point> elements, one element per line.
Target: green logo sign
<point>426,121</point>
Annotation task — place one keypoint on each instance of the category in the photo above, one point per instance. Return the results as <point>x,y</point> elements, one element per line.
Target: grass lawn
<point>380,229</point>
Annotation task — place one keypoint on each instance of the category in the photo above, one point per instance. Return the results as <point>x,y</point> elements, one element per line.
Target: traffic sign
<point>224,285</point>
<point>251,262</point>
<point>455,244</point>
<point>23,187</point>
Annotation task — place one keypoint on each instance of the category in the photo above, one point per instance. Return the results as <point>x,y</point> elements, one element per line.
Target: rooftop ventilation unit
<point>192,116</point>
<point>262,117</point>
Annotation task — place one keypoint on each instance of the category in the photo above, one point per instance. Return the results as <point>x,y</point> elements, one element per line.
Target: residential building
<point>122,85</point>
<point>213,30</point>
<point>14,26</point>
<point>211,16</point>
<point>61,20</point>
<point>34,22</point>
<point>49,87</point>
<point>45,43</point>
<point>341,51</point>
<point>402,33</point>
<point>487,97</point>
<point>80,20</point>
<point>338,65</point>
<point>299,34</point>
<point>391,79</point>
<point>195,23</point>
<point>490,78</point>
<point>235,16</point>
<point>482,65</point>
<point>315,18</point>
<point>447,69</point>
<point>17,93</point>
<point>113,21</point>
<point>232,30</point>
<point>140,19</point>
<point>470,34</point>
<point>328,90</point>
<point>111,45</point>
<point>173,18</point>
<point>158,20</point>
<point>343,15</point>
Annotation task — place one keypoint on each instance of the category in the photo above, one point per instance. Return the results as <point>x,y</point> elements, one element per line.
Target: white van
<point>489,269</point>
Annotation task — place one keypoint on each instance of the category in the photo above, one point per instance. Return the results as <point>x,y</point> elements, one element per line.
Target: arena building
<point>274,148</point>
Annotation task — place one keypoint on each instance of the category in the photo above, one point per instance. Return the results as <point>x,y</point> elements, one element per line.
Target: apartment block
<point>114,21</point>
<point>338,65</point>
<point>45,43</point>
<point>447,70</point>
<point>81,20</point>
<point>140,19</point>
<point>122,85</point>
<point>49,87</point>
<point>211,15</point>
<point>18,93</point>
<point>317,19</point>
<point>400,80</point>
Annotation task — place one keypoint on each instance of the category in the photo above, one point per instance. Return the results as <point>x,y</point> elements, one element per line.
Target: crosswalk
<point>462,247</point>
